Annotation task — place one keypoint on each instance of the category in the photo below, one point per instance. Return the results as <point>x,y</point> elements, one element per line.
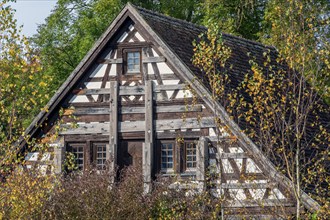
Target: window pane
<point>78,152</point>
<point>190,155</point>
<point>166,156</point>
<point>133,62</point>
<point>100,155</point>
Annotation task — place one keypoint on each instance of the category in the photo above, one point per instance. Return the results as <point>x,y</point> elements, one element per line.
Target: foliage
<point>91,195</point>
<point>23,194</point>
<point>22,87</point>
<point>280,107</point>
<point>300,32</point>
<point>239,17</point>
<point>22,92</point>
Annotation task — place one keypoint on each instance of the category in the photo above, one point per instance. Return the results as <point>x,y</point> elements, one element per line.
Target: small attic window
<point>133,61</point>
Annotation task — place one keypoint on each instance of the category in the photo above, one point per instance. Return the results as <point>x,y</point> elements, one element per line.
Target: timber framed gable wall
<point>160,108</point>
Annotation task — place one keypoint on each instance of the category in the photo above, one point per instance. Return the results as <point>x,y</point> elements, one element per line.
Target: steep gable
<point>155,106</point>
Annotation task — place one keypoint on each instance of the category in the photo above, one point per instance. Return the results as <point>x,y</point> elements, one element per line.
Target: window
<point>190,153</point>
<point>78,152</point>
<point>178,158</point>
<point>133,62</point>
<point>167,157</point>
<point>89,154</point>
<point>100,155</point>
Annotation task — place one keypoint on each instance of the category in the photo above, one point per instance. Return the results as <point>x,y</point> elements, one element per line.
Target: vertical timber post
<point>59,156</point>
<point>202,160</point>
<point>149,138</point>
<point>113,134</point>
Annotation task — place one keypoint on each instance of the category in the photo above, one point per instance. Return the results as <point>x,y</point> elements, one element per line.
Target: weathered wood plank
<point>87,118</point>
<point>113,127</point>
<point>248,185</point>
<point>179,108</point>
<point>138,110</point>
<point>85,137</point>
<point>106,78</point>
<point>214,139</point>
<point>149,138</point>
<point>159,88</point>
<point>233,155</point>
<point>173,135</point>
<point>111,61</point>
<point>157,74</point>
<point>91,111</point>
<point>167,76</point>
<point>160,125</point>
<point>92,91</point>
<point>255,203</point>
<point>162,109</point>
<point>144,66</point>
<point>184,124</point>
<point>153,59</point>
<point>245,176</point>
<point>131,90</point>
<point>202,158</point>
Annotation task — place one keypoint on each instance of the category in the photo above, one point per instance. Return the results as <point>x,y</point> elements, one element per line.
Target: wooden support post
<point>59,154</point>
<point>113,134</point>
<point>149,138</point>
<point>202,160</point>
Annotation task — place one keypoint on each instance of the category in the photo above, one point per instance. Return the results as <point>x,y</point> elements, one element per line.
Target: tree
<point>300,32</point>
<point>299,29</point>
<point>240,17</point>
<point>22,87</point>
<point>278,103</point>
<point>21,95</point>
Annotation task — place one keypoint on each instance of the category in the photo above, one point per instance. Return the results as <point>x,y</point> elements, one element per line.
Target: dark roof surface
<point>179,35</point>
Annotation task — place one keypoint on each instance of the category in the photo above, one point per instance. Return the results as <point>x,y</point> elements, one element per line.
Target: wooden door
<point>130,154</point>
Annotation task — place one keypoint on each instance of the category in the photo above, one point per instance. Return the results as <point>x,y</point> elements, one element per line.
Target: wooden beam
<point>256,203</point>
<point>111,61</point>
<point>157,74</point>
<point>91,111</point>
<point>139,110</point>
<point>166,76</point>
<point>59,156</point>
<point>202,158</point>
<point>245,176</point>
<point>260,212</point>
<point>113,128</point>
<point>149,138</point>
<point>174,135</point>
<point>131,90</point>
<point>233,155</point>
<point>248,185</point>
<point>153,59</point>
<point>84,138</point>
<point>160,125</point>
<point>91,91</point>
<point>159,88</point>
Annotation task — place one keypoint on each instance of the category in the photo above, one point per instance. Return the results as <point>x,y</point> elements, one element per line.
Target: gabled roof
<point>174,39</point>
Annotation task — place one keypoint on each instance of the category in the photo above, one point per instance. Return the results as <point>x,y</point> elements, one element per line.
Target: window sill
<point>190,174</point>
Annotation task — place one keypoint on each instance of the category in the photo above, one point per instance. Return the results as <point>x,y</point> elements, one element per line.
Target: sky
<point>30,13</point>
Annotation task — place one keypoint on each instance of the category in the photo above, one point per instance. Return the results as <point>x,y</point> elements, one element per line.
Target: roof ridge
<point>169,17</point>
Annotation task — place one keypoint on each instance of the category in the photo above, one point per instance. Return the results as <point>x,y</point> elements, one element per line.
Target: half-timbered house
<point>132,106</point>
